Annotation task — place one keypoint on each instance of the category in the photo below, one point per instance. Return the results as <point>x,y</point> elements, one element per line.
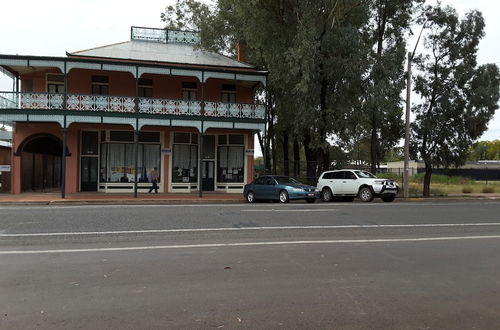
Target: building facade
<point>116,113</point>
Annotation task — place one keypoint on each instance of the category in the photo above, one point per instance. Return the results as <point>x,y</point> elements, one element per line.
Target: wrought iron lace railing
<point>164,35</point>
<point>126,104</point>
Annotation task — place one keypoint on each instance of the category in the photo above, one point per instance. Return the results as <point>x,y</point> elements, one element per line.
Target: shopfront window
<point>118,162</point>
<point>231,158</point>
<point>185,158</point>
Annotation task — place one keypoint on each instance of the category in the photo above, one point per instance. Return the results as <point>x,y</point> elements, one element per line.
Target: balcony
<point>46,102</point>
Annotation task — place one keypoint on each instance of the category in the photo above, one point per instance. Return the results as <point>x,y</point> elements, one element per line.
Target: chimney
<point>241,51</point>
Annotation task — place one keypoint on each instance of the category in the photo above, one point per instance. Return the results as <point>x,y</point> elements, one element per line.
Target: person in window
<point>124,178</point>
<point>154,180</point>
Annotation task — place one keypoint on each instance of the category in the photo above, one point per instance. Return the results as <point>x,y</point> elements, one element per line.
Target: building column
<point>202,133</point>
<point>63,170</point>
<point>136,156</point>
<point>136,129</point>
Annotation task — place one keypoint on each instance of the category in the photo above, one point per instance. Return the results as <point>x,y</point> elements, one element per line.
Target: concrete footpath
<point>168,198</point>
<point>116,198</point>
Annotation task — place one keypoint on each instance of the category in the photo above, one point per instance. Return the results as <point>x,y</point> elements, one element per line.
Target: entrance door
<point>89,174</point>
<point>89,161</point>
<point>207,175</point>
<point>208,163</point>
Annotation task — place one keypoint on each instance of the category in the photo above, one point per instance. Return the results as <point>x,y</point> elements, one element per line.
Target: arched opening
<point>41,165</point>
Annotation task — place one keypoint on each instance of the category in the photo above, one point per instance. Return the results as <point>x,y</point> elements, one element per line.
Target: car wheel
<point>388,198</point>
<point>366,194</point>
<point>326,195</point>
<point>284,196</point>
<point>250,197</point>
<point>310,200</point>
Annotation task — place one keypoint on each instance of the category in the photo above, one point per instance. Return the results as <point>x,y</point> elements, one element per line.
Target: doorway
<point>208,163</point>
<point>89,174</point>
<point>89,161</point>
<point>207,175</point>
<point>41,163</point>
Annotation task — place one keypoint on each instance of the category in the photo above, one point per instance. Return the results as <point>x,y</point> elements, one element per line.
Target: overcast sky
<point>52,27</point>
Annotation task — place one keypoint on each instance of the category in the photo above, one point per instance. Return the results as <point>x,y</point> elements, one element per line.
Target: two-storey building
<point>102,119</point>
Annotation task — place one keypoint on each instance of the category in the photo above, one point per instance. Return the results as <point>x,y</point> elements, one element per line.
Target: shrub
<point>391,176</point>
<point>443,179</point>
<point>414,190</point>
<point>467,189</point>
<point>488,190</point>
<point>438,192</point>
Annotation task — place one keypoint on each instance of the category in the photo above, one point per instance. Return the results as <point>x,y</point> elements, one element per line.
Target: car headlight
<point>379,181</point>
<point>297,189</point>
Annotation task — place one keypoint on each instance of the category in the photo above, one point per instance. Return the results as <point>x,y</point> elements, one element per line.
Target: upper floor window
<point>100,85</point>
<point>189,91</point>
<point>145,87</point>
<point>55,83</point>
<point>228,93</point>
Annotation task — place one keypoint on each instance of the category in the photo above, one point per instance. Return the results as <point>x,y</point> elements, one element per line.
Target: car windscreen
<point>286,180</point>
<point>364,174</point>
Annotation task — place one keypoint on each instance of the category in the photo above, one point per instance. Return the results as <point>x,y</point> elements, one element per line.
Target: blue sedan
<point>281,188</point>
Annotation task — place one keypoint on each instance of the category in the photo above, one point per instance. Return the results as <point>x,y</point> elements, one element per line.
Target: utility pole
<point>407,129</point>
<point>406,181</point>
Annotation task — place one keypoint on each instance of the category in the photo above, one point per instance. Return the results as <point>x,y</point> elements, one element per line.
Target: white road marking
<point>286,210</point>
<point>158,231</point>
<point>215,245</point>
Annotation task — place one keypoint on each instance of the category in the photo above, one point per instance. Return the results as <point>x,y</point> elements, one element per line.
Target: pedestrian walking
<point>154,180</point>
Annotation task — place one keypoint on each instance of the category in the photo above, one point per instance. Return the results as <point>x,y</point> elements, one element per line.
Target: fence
<point>478,174</point>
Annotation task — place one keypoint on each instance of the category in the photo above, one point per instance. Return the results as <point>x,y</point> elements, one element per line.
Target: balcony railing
<point>126,104</point>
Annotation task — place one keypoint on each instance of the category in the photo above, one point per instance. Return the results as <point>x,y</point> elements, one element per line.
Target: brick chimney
<point>241,51</point>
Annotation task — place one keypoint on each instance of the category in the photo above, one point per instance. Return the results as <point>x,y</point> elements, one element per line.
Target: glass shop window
<point>185,163</point>
<point>231,164</point>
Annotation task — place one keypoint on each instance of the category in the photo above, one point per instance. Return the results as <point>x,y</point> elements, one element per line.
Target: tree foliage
<point>337,73</point>
<point>485,150</point>
<point>459,97</point>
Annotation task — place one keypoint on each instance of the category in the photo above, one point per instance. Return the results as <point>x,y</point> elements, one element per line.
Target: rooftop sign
<point>163,35</point>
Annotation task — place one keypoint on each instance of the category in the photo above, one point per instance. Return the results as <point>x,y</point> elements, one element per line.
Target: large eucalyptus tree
<point>459,97</point>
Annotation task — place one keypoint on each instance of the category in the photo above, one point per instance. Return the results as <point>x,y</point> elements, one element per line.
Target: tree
<point>458,97</point>
<point>385,37</point>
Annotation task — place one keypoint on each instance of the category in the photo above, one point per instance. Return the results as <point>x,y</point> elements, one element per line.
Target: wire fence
<point>485,174</point>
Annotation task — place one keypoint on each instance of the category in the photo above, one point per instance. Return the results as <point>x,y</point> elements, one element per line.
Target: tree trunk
<point>274,151</point>
<point>427,179</point>
<point>373,147</point>
<point>310,158</point>
<point>286,160</point>
<point>296,158</point>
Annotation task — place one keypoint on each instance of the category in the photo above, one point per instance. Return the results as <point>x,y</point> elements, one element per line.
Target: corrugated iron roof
<point>181,53</point>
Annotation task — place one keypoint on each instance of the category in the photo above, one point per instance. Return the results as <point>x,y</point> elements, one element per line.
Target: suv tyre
<point>388,198</point>
<point>366,194</point>
<point>326,195</point>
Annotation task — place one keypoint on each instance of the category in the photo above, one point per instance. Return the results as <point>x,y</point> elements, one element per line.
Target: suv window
<point>349,175</point>
<point>328,175</point>
<point>338,175</point>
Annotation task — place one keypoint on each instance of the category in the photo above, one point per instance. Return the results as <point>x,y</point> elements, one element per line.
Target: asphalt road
<point>259,266</point>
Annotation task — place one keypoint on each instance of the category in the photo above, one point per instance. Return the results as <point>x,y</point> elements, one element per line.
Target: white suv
<point>348,184</point>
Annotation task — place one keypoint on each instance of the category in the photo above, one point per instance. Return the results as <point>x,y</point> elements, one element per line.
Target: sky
<point>52,27</point>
